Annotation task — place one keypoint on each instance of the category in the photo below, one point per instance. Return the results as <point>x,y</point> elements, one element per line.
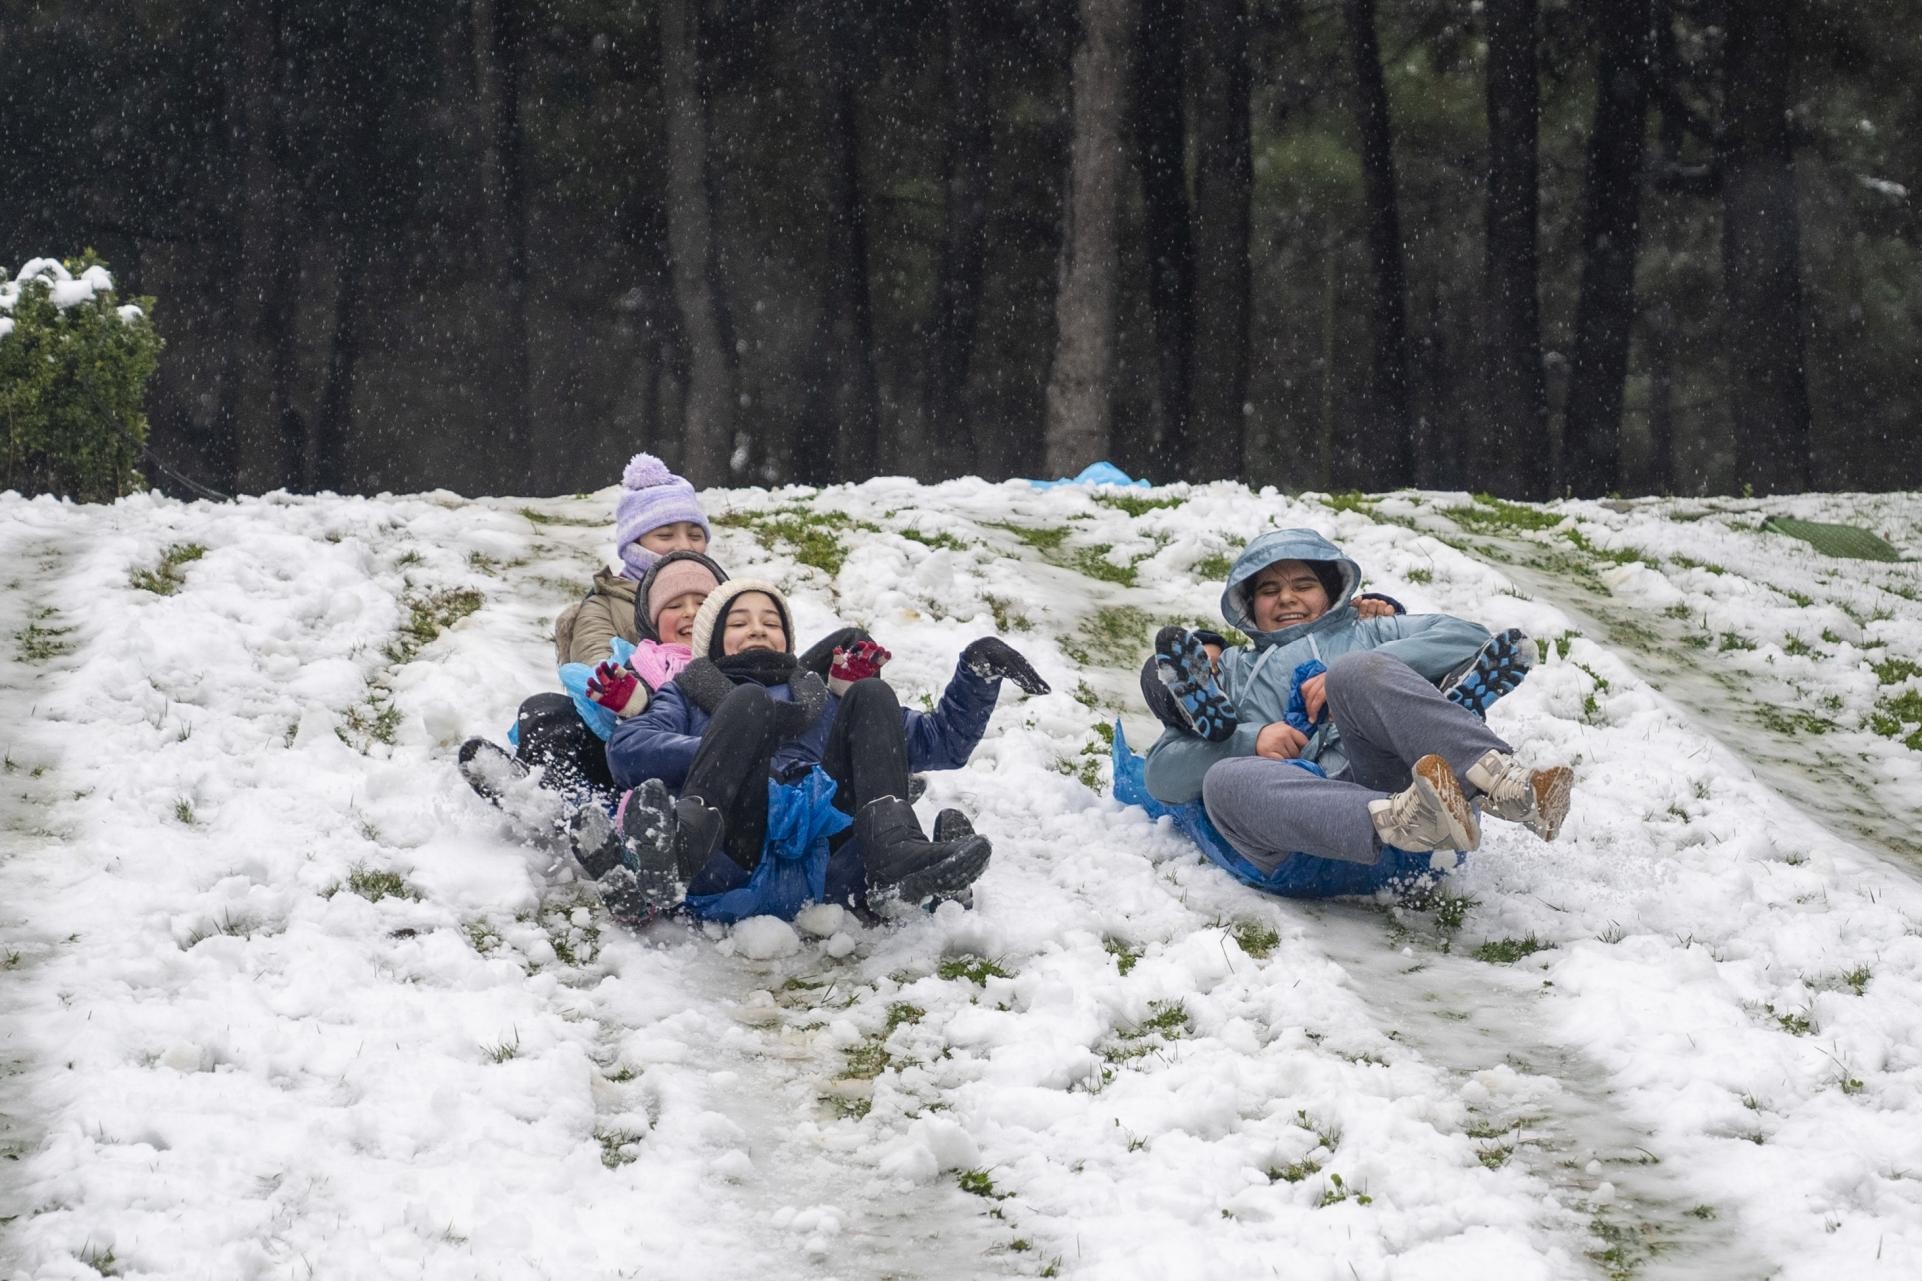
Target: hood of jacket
<point>1279,545</point>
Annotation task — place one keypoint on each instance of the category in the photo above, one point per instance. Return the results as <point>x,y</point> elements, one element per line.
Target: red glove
<point>857,662</point>
<point>612,685</point>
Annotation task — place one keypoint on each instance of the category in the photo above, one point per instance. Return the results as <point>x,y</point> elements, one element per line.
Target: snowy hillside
<point>281,998</point>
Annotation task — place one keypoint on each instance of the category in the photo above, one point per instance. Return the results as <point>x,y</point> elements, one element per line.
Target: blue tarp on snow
<point>794,859</point>
<point>1103,473</point>
<point>1298,875</point>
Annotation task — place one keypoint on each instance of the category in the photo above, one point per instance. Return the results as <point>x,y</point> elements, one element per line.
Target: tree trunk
<point>1516,459</point>
<point>497,76</point>
<point>966,151</point>
<point>1761,251</point>
<point>1224,184</point>
<point>1080,382</point>
<point>1661,399</point>
<point>334,425</point>
<point>261,444</point>
<point>857,443</point>
<point>1161,151</point>
<point>1393,447</point>
<point>1611,239</point>
<point>708,410</point>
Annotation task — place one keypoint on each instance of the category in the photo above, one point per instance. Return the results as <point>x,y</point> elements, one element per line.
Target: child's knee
<point>1359,668</point>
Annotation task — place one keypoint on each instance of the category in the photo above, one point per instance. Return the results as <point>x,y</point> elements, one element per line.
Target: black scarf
<point>709,680</point>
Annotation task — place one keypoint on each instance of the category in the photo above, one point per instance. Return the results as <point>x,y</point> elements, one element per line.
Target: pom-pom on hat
<point>653,496</point>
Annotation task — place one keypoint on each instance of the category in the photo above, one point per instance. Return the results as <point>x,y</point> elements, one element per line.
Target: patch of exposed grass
<point>427,617</point>
<point>940,540</point>
<point>1490,515</point>
<point>374,719</point>
<point>1352,500</point>
<point>1294,1171</point>
<point>618,1147</point>
<point>1256,938</point>
<point>1337,1191</point>
<point>504,1050</point>
<point>36,644</point>
<point>1731,641</point>
<point>975,969</point>
<point>1135,505</point>
<point>1045,540</point>
<point>374,884</point>
<point>1509,950</point>
<point>1125,954</point>
<point>1114,636</point>
<point>165,579</point>
<point>1791,722</point>
<point>1795,1023</point>
<point>1893,671</point>
<point>979,1183</point>
<point>533,517</point>
<point>1423,576</point>
<point>1892,716</point>
<point>1214,568</point>
<point>1614,555</point>
<point>184,812</point>
<point>1006,617</point>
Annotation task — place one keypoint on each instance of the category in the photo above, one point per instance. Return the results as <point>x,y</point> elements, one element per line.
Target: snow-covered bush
<point>73,373</point>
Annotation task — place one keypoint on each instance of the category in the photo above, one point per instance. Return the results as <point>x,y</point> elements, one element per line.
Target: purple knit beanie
<point>653,496</point>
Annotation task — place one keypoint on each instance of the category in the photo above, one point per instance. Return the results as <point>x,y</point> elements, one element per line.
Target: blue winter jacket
<point>661,741</point>
<point>1260,678</point>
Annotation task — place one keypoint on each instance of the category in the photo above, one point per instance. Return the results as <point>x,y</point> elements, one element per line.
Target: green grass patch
<point>1125,954</point>
<point>979,1183</point>
<point>1294,1171</point>
<point>940,540</point>
<point>1045,541</point>
<point>1214,568</point>
<point>1893,671</point>
<point>374,719</point>
<point>1614,555</point>
<point>1491,515</point>
<point>36,644</point>
<point>1337,1191</point>
<point>1006,617</point>
<point>975,969</point>
<point>1420,576</point>
<point>534,517</point>
<point>184,812</point>
<point>374,884</point>
<point>1113,636</point>
<point>812,537</point>
<point>1256,938</point>
<point>1510,950</point>
<point>1137,506</point>
<point>427,617</point>
<point>618,1147</point>
<point>166,578</point>
<point>1731,641</point>
<point>1792,723</point>
<point>1352,500</point>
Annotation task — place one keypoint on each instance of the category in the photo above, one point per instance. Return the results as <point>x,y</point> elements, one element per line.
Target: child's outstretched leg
<point>1500,665</point>
<point>866,755</point>
<point>1390,717</point>
<point>1183,665</point>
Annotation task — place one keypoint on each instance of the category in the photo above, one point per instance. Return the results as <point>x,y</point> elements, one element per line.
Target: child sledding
<point>1331,736</point>
<point>790,791</point>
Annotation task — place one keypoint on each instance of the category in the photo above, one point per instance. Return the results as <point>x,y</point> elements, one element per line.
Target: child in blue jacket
<point>745,711</point>
<point>1398,762</point>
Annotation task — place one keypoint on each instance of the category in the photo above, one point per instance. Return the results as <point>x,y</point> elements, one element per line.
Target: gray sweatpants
<point>1389,717</point>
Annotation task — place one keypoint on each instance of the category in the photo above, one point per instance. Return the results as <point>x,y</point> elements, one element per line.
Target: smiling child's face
<point>753,622</point>
<point>1287,594</point>
<point>676,621</point>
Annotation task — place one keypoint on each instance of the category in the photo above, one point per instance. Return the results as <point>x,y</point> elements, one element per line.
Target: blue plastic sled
<point>1298,875</point>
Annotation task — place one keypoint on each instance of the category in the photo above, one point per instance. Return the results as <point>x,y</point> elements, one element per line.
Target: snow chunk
<point>820,920</point>
<point>763,938</point>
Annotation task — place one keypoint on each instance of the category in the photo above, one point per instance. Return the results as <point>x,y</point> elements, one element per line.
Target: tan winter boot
<point>1430,814</point>
<point>1535,798</point>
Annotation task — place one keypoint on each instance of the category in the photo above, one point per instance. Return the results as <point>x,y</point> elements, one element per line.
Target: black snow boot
<point>488,768</point>
<point>904,866</point>
<point>665,842</point>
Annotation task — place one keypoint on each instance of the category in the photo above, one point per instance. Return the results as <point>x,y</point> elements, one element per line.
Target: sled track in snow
<point>37,640</point>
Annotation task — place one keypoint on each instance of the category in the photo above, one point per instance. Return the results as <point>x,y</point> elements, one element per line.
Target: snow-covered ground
<point>281,998</point>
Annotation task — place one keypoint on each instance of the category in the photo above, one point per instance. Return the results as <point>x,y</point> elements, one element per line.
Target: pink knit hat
<point>677,577</point>
<point>654,497</point>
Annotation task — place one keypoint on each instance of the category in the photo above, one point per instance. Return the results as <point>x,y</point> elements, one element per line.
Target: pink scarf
<point>657,663</point>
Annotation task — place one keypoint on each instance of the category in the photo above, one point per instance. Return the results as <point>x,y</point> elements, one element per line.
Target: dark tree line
<point>1545,246</point>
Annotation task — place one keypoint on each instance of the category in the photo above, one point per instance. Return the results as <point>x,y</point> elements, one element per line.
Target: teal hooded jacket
<point>1259,678</point>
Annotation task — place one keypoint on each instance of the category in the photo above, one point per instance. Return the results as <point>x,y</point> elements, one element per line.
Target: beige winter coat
<point>584,633</point>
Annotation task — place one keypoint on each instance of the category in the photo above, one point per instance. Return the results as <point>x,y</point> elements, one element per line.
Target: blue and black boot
<point>1184,667</point>
<point>1496,670</point>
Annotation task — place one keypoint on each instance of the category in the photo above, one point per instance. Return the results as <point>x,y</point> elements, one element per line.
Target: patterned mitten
<point>1184,668</point>
<point>1496,669</point>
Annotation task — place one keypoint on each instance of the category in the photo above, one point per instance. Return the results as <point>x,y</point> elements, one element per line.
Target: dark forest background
<point>1525,246</point>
